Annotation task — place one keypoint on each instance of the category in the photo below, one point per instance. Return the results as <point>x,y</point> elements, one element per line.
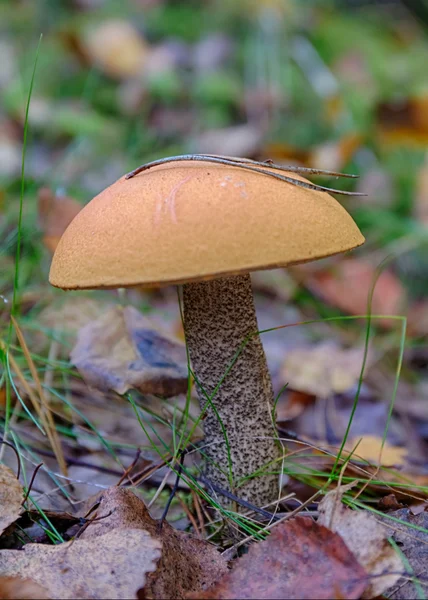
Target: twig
<point>129,469</point>
<point>150,470</point>
<point>230,551</point>
<point>244,503</point>
<point>36,470</point>
<point>189,516</point>
<point>18,459</point>
<point>173,491</point>
<point>247,164</point>
<point>197,505</point>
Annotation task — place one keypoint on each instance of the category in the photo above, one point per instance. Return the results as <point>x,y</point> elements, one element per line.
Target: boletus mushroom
<point>206,222</point>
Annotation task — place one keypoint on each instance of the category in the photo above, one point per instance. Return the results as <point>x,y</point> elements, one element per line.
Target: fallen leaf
<point>323,369</point>
<point>116,47</point>
<point>294,406</point>
<point>365,537</point>
<point>413,544</point>
<point>11,497</point>
<point>390,502</point>
<point>187,564</point>
<point>114,565</point>
<point>348,284</point>
<point>16,588</point>
<point>416,509</point>
<point>370,448</point>
<point>122,350</point>
<point>55,214</point>
<point>300,559</point>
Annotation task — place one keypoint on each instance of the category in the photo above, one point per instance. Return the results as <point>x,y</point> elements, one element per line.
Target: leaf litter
<point>114,565</point>
<point>11,498</point>
<point>300,559</point>
<point>122,553</point>
<point>323,369</point>
<point>17,588</point>
<point>365,537</point>
<point>122,350</point>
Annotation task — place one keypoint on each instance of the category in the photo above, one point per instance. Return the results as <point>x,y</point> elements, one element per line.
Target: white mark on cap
<point>239,184</point>
<point>169,203</point>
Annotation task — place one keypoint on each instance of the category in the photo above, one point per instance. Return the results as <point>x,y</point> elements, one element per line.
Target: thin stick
<point>150,470</point>
<point>173,491</point>
<point>129,469</point>
<point>16,454</point>
<point>247,164</point>
<point>197,505</point>
<point>159,490</point>
<point>289,168</point>
<point>189,516</point>
<point>36,470</point>
<point>233,549</point>
<point>238,500</point>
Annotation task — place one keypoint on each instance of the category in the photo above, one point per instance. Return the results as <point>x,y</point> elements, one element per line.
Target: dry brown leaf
<point>123,350</point>
<point>322,370</point>
<point>348,284</point>
<point>11,497</point>
<point>55,214</point>
<point>365,537</point>
<point>300,559</point>
<point>116,47</point>
<point>16,588</point>
<point>187,564</point>
<point>390,502</point>
<point>370,448</point>
<point>294,406</point>
<point>114,565</point>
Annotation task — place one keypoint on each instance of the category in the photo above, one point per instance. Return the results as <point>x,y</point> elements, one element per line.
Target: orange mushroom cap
<point>189,221</point>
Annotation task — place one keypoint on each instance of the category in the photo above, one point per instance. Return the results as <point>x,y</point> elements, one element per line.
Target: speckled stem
<point>218,316</point>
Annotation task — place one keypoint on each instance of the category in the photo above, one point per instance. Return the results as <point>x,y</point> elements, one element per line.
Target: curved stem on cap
<point>250,165</point>
<point>241,450</point>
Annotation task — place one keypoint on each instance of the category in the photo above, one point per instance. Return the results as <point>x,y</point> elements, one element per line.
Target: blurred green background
<point>336,85</point>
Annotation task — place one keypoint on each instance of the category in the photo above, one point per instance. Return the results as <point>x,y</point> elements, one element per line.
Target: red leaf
<point>347,286</point>
<point>300,559</point>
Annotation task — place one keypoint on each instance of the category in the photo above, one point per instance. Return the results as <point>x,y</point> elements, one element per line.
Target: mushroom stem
<point>219,315</point>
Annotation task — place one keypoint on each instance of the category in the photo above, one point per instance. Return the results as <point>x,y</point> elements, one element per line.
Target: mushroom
<point>207,222</point>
